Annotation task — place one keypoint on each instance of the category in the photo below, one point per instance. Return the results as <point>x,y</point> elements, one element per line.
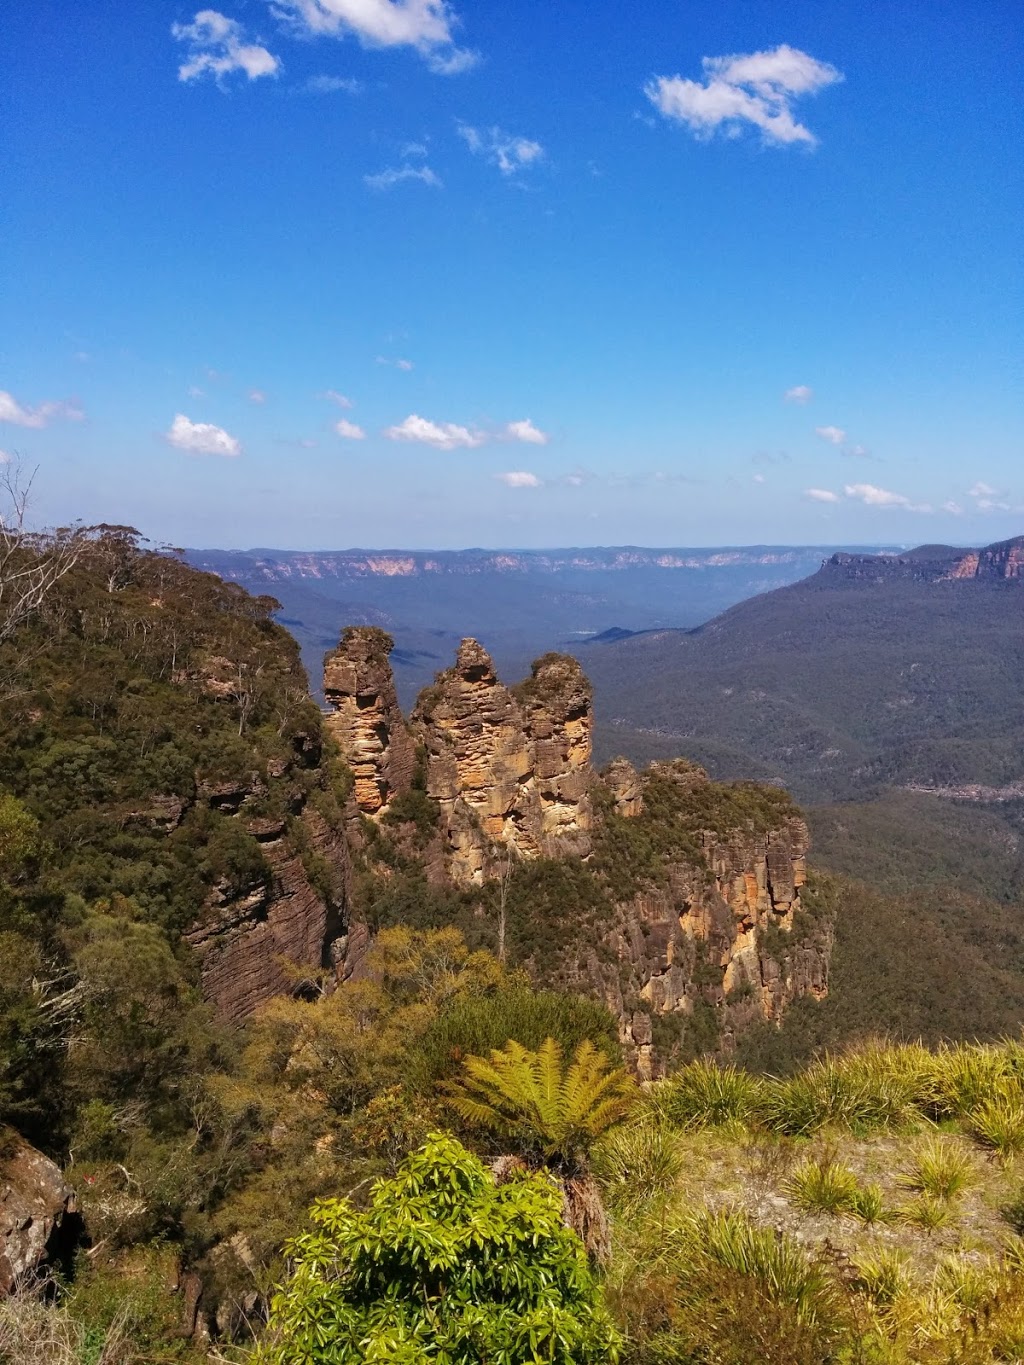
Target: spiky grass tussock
<point>940,1169</point>
<point>706,1095</point>
<point>638,1165</point>
<point>822,1186</point>
<point>925,1212</point>
<point>998,1123</point>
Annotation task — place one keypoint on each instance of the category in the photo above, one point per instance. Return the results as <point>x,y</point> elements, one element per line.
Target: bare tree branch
<point>32,563</point>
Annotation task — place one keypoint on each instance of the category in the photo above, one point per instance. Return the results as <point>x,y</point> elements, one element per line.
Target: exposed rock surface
<point>1003,561</point>
<point>366,720</point>
<point>249,937</point>
<point>707,924</point>
<point>706,935</point>
<point>36,1206</point>
<point>509,769</point>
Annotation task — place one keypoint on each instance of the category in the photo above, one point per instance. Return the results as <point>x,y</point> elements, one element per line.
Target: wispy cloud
<point>755,89</point>
<point>834,435</point>
<point>424,25</point>
<point>799,393</point>
<point>391,176</point>
<point>440,435</point>
<point>349,431</point>
<point>820,495</point>
<point>988,499</point>
<point>333,85</point>
<point>333,396</point>
<point>41,415</point>
<point>510,154</point>
<point>201,438</point>
<point>399,364</point>
<point>257,396</point>
<point>518,478</point>
<point>217,47</point>
<point>873,496</point>
<point>525,431</point>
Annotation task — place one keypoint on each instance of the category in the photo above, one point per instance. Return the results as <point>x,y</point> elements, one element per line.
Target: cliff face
<point>366,720</point>
<point>36,1208</point>
<point>1001,562</point>
<point>717,933</point>
<point>509,769</point>
<point>701,917</point>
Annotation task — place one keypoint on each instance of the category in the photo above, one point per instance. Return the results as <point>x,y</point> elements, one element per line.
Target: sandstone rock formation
<point>509,768</point>
<point>36,1208</point>
<point>366,720</point>
<point>247,938</point>
<point>702,937</point>
<point>704,918</point>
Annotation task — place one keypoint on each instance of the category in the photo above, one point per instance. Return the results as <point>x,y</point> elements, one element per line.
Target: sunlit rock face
<point>509,768</point>
<point>366,719</point>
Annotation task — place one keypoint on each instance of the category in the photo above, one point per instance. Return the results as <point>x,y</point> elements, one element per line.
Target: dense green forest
<point>144,705</point>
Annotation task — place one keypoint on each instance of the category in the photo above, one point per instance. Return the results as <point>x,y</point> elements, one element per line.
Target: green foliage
<point>823,1186</point>
<point>705,1094</point>
<point>940,1169</point>
<point>550,1112</point>
<point>444,1264</point>
<point>479,1023</point>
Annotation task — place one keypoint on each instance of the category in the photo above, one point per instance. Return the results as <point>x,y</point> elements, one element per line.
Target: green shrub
<point>444,1264</point>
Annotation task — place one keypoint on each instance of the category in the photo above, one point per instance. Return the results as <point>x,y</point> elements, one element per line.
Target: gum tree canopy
<point>445,1267</point>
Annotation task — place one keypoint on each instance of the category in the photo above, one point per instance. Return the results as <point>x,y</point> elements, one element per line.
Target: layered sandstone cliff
<point>509,768</point>
<point>365,718</point>
<point>701,882</point>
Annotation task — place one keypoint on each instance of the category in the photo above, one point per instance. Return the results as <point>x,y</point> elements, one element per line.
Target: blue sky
<point>322,273</point>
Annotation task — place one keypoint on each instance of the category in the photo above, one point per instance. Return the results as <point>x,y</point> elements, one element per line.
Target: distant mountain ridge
<point>876,671</point>
<point>519,603</point>
<point>936,563</point>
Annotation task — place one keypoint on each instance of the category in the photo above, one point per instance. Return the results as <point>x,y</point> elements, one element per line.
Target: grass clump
<point>998,1124</point>
<point>925,1212</point>
<point>940,1169</point>
<point>706,1095</point>
<point>882,1277</point>
<point>639,1165</point>
<point>822,1186</point>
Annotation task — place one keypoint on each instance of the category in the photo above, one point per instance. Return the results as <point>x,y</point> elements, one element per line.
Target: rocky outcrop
<point>37,1209</point>
<point>254,940</point>
<point>1001,562</point>
<point>366,719</point>
<point>704,918</point>
<point>509,768</point>
<point>706,936</point>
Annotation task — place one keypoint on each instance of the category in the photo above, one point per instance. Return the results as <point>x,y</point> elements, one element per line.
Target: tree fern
<point>551,1112</point>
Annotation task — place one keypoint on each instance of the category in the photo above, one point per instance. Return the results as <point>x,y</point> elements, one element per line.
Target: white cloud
<point>525,431</point>
<point>217,46</point>
<point>194,391</point>
<point>518,478</point>
<point>759,478</point>
<point>257,396</point>
<point>404,365</point>
<point>4,457</point>
<point>820,495</point>
<point>331,85</point>
<point>988,499</point>
<point>799,393</point>
<point>756,88</point>
<point>982,490</point>
<point>835,435</point>
<point>857,452</point>
<point>510,154</point>
<point>872,496</point>
<point>40,416</point>
<point>349,430</point>
<point>953,508</point>
<point>333,396</point>
<point>440,435</point>
<point>201,438</point>
<point>426,25</point>
<point>391,176</point>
